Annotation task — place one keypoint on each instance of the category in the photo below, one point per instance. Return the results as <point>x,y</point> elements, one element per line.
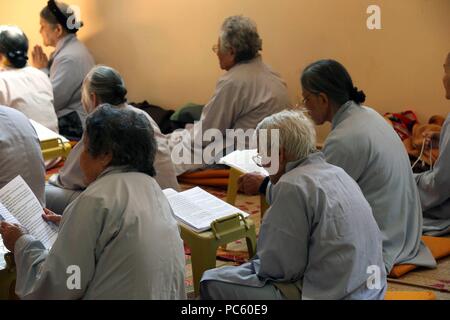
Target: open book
<point>197,208</point>
<point>18,204</point>
<point>242,160</point>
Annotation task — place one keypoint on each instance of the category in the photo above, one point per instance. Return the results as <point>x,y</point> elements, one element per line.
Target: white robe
<point>20,152</point>
<point>69,182</point>
<point>30,91</point>
<point>434,189</point>
<point>319,233</point>
<point>363,144</point>
<point>68,66</point>
<point>121,233</point>
<point>245,95</point>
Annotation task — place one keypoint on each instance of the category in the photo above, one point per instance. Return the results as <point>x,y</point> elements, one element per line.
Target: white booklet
<point>242,160</point>
<point>197,208</point>
<point>18,204</point>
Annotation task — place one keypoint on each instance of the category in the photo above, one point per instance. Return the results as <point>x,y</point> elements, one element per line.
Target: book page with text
<point>197,208</point>
<point>21,202</point>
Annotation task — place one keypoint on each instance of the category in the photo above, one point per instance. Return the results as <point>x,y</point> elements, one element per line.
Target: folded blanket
<point>410,131</point>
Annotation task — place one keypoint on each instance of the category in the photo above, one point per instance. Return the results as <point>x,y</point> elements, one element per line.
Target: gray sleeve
<point>70,175</point>
<point>47,275</point>
<point>284,236</point>
<point>434,186</point>
<point>64,76</point>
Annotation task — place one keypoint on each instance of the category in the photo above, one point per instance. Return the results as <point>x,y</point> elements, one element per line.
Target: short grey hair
<point>296,132</point>
<point>241,34</point>
<point>107,84</point>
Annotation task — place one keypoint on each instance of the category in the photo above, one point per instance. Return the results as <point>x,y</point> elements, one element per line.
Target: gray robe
<point>20,152</point>
<point>368,149</point>
<point>68,66</point>
<point>245,95</point>
<point>122,235</point>
<point>318,233</point>
<point>434,189</point>
<point>64,187</point>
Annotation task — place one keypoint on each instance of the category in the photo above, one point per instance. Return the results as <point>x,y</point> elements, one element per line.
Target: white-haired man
<point>247,93</point>
<point>318,240</point>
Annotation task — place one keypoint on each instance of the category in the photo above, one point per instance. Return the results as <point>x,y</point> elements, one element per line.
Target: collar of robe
<point>256,59</point>
<point>341,113</point>
<point>312,157</point>
<point>62,43</point>
<point>114,169</point>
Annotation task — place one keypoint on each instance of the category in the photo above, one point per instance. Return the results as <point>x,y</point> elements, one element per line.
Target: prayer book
<point>242,160</point>
<point>196,208</point>
<point>18,204</point>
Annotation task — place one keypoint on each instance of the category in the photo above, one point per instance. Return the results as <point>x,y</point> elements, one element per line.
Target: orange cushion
<point>207,173</point>
<point>410,295</point>
<point>218,182</point>
<point>439,247</point>
<point>207,177</point>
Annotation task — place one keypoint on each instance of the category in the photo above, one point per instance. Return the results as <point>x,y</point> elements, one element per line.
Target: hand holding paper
<point>10,234</point>
<point>19,205</point>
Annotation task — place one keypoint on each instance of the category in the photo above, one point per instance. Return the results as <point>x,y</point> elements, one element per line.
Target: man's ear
<point>59,31</point>
<point>323,98</point>
<point>282,154</point>
<point>94,100</point>
<point>106,159</point>
<point>233,53</point>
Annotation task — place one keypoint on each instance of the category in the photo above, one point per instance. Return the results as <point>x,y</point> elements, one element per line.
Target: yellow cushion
<point>410,295</point>
<point>439,247</point>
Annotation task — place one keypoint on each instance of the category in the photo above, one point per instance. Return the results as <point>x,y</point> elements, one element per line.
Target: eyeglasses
<point>260,160</point>
<point>215,48</point>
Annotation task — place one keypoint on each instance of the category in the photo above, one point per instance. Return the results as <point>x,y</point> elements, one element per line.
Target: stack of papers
<point>196,208</point>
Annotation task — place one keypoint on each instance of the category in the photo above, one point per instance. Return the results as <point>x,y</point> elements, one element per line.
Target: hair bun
<point>357,96</point>
<point>18,58</point>
<point>121,91</point>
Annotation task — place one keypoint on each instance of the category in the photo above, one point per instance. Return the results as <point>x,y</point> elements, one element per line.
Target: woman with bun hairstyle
<point>67,66</point>
<point>363,144</point>
<point>102,85</point>
<point>23,87</point>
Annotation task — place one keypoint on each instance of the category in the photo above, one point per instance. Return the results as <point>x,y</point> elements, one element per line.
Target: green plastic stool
<point>204,245</point>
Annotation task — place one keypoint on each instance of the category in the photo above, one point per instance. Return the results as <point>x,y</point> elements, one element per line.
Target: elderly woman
<point>247,93</point>
<point>317,240</point>
<point>104,85</point>
<point>67,66</point>
<point>120,233</point>
<point>21,87</point>
<point>434,185</point>
<point>368,149</point>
